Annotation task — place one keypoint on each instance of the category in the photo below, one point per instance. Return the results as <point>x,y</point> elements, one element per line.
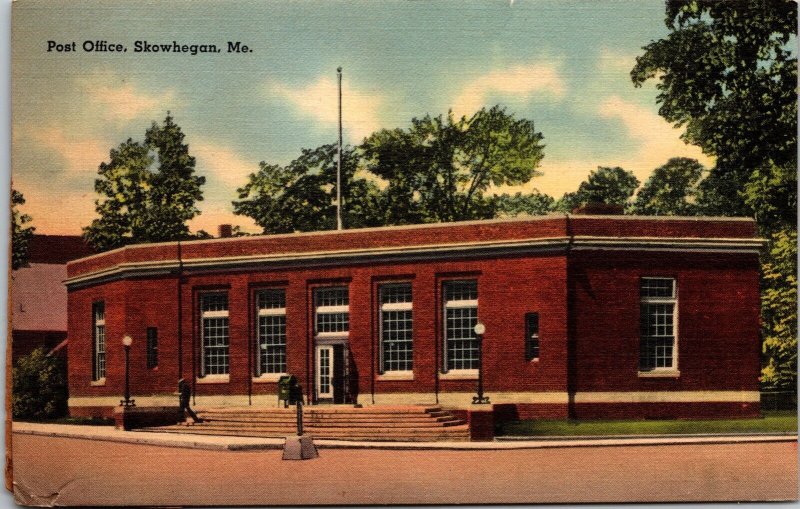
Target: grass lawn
<point>772,421</point>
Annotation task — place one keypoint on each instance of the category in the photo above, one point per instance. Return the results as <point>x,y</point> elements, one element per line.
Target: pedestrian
<point>185,393</point>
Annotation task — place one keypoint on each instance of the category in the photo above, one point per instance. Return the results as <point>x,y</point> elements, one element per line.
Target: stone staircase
<point>379,423</point>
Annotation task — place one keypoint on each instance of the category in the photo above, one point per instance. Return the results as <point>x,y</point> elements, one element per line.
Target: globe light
<point>479,329</point>
<point>127,340</point>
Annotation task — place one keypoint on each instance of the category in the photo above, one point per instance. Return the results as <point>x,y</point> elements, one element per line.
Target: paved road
<point>82,472</point>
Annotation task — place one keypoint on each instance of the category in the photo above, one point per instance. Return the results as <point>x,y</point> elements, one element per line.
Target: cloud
<point>213,215</point>
<point>519,82</point>
<point>125,102</point>
<point>55,212</point>
<point>558,177</point>
<point>81,154</point>
<point>222,163</point>
<point>319,101</point>
<point>615,61</point>
<point>652,140</point>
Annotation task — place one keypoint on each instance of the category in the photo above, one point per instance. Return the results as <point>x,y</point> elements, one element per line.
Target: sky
<point>563,64</point>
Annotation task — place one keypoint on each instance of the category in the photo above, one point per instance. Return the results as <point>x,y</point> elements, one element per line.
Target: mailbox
<point>295,394</point>
<point>285,385</point>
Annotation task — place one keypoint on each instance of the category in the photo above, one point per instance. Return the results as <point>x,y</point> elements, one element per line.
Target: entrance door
<point>331,373</point>
<point>325,372</point>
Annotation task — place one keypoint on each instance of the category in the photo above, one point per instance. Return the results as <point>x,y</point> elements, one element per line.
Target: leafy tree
<point>302,195</point>
<point>147,191</point>
<point>612,186</point>
<point>39,387</point>
<point>534,204</point>
<point>779,312</point>
<point>671,190</point>
<point>174,188</point>
<point>440,168</point>
<point>727,73</point>
<point>21,234</point>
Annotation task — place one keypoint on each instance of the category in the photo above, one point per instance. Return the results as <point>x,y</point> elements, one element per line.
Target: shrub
<point>39,387</point>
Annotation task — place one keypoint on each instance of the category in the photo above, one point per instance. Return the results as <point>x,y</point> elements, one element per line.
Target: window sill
<point>396,375</point>
<point>98,383</point>
<point>459,374</point>
<point>664,373</point>
<point>214,379</point>
<point>268,378</point>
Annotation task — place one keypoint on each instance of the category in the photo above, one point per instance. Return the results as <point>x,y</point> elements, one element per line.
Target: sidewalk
<point>110,434</point>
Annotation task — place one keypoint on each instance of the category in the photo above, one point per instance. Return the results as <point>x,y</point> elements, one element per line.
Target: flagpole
<point>339,159</point>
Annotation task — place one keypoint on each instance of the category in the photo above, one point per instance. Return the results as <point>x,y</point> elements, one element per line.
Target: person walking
<point>185,393</point>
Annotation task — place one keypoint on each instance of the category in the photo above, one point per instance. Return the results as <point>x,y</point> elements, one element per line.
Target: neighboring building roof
<point>428,240</point>
<point>57,248</point>
<point>39,297</point>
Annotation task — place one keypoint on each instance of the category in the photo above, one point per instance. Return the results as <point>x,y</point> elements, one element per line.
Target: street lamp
<point>127,341</point>
<point>480,399</point>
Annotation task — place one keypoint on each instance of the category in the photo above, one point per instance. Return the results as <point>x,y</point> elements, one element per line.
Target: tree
<point>147,191</point>
<point>611,186</point>
<point>534,204</point>
<point>440,168</point>
<point>302,195</point>
<point>727,72</point>
<point>174,188</point>
<point>779,312</point>
<point>21,234</point>
<point>672,189</point>
<point>39,387</point>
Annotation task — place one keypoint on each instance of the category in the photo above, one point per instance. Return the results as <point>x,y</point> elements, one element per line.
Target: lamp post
<point>127,341</point>
<point>480,399</point>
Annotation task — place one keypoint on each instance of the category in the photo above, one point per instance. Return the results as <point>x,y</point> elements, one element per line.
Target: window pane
<point>657,323</point>
<point>333,322</point>
<point>657,287</point>
<point>272,343</point>
<point>332,296</point>
<point>392,294</point>
<point>460,290</point>
<point>397,341</point>
<point>532,332</point>
<point>99,346</point>
<point>462,345</point>
<point>152,347</point>
<point>215,302</point>
<point>215,345</point>
<point>271,299</point>
<point>272,332</point>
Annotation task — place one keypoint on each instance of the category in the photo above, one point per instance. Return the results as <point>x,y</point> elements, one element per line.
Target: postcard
<point>365,253</point>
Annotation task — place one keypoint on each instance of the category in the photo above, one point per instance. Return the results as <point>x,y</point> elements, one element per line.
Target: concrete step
<point>409,422</point>
<point>460,437</point>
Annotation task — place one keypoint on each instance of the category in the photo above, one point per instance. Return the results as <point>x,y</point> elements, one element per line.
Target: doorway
<point>331,374</point>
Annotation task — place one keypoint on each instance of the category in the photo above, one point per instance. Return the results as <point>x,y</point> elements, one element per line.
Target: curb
<point>218,443</point>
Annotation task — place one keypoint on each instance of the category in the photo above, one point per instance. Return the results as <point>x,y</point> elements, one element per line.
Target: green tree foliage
<point>302,195</point>
<point>21,233</point>
<point>727,73</point>
<point>39,387</point>
<point>612,186</point>
<point>533,204</point>
<point>147,191</point>
<point>440,168</point>
<point>672,189</point>
<point>779,311</point>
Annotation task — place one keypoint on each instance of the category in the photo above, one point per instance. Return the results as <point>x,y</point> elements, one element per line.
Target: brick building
<point>586,316</point>
<point>38,295</point>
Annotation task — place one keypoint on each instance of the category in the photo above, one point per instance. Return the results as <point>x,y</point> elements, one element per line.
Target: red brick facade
<point>580,274</point>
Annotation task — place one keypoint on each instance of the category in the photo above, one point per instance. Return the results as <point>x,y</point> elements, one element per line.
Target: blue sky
<point>564,64</point>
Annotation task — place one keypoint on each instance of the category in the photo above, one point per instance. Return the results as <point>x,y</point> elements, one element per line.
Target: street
<point>82,472</point>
